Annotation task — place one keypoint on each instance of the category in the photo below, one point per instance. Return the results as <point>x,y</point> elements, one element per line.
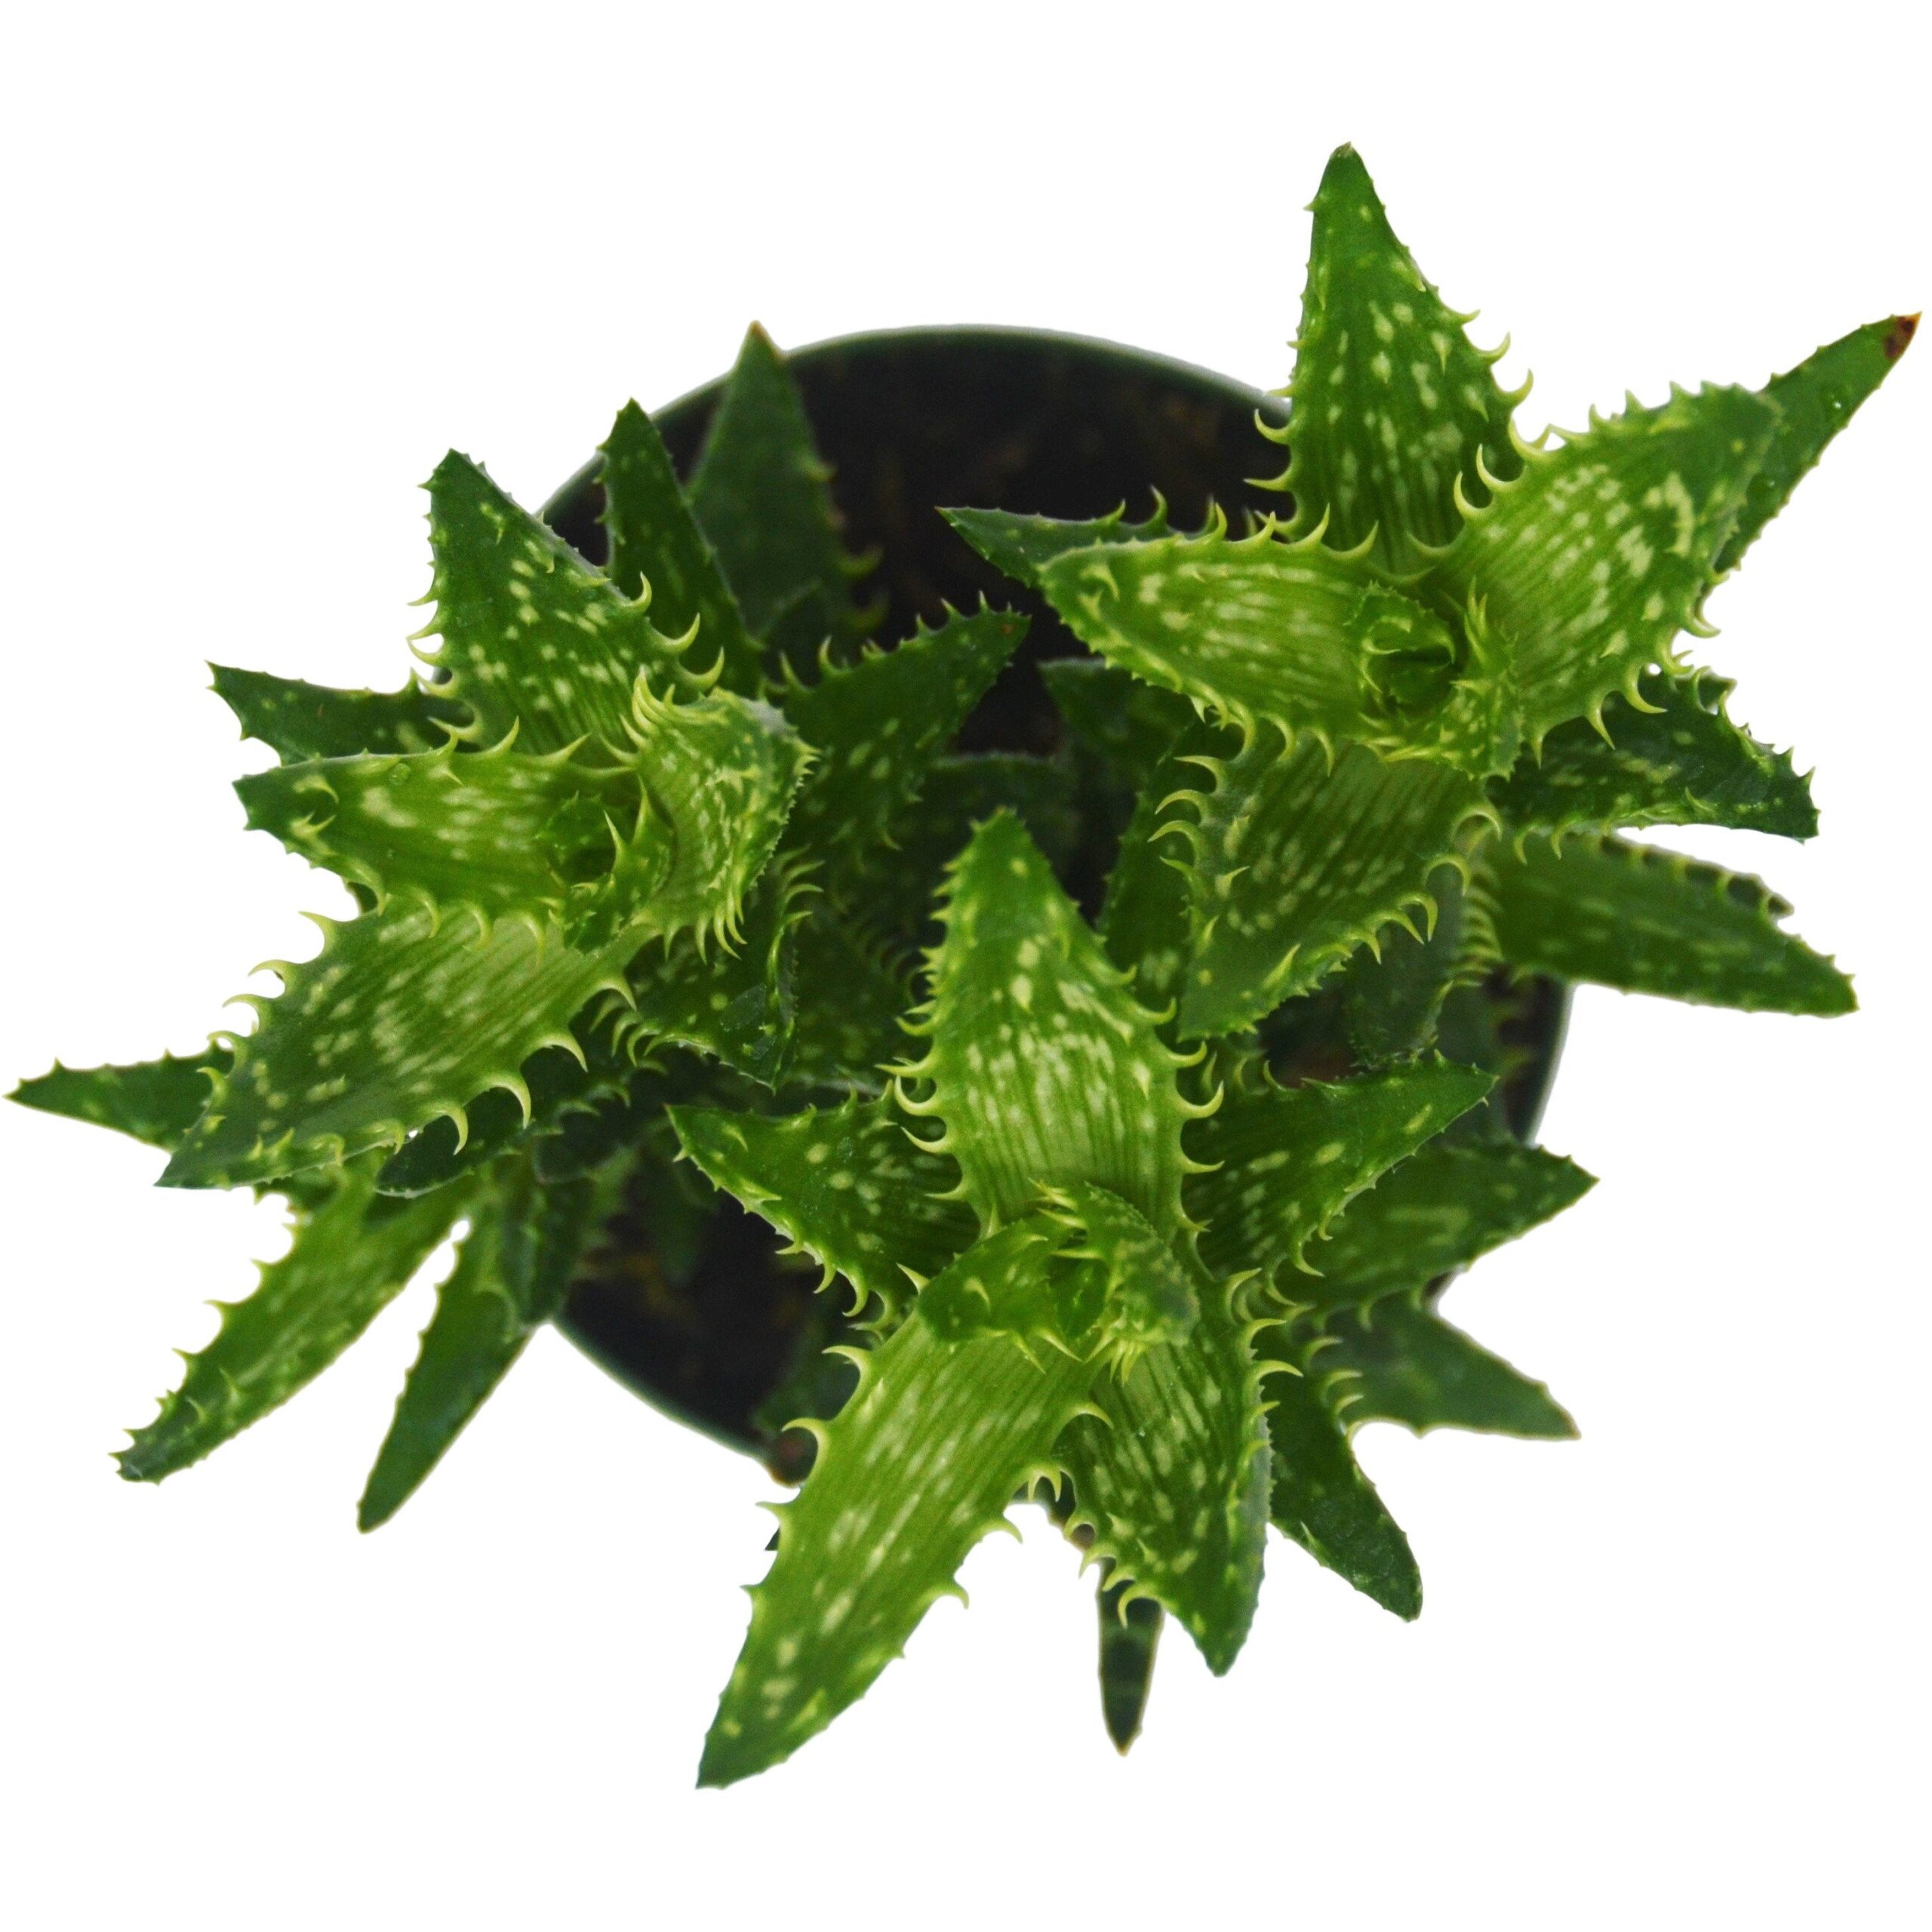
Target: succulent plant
<point>1133,1103</point>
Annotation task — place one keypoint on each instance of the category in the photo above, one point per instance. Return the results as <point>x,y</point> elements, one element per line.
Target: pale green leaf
<point>303,722</point>
<point>1043,1068</point>
<point>915,1469</point>
<point>1587,564</point>
<point>1297,862</point>
<point>348,1260</point>
<point>1393,407</point>
<point>531,635</point>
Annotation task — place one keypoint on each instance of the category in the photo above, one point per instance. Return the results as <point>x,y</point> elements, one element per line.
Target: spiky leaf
<point>1297,862</point>
<point>1650,922</point>
<point>1023,545</point>
<point>915,1469</point>
<point>1439,1211</point>
<point>531,636</point>
<point>1407,1365</point>
<point>348,1261</point>
<point>1591,561</point>
<point>1393,407</point>
<point>1170,1476</point>
<point>156,1101</point>
<point>877,723</point>
<point>1393,1000</point>
<point>1320,1498</point>
<point>655,540</point>
<point>847,1042</point>
<point>850,1185</point>
<point>1043,1067</point>
<point>1814,402</point>
<point>509,1278</point>
<point>759,492</point>
<point>1127,725</point>
<point>1285,1161</point>
<point>303,722</point>
<point>1675,758</point>
<point>1130,1640</point>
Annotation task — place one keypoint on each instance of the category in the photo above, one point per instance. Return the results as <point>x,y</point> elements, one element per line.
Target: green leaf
<point>1128,726</point>
<point>399,1018</point>
<point>847,1041</point>
<point>1677,760</point>
<point>1023,545</point>
<point>655,542</point>
<point>509,1278</point>
<point>1591,561</point>
<point>1130,1639</point>
<point>1293,634</point>
<point>1297,862</point>
<point>1391,1002</point>
<point>1650,922</point>
<point>915,1469</point>
<point>1090,1276</point>
<point>1439,1211</point>
<point>877,723</point>
<point>1045,1071</point>
<point>849,1186</point>
<point>1408,1365</point>
<point>304,721</point>
<point>1171,1476</point>
<point>1144,920</point>
<point>156,1101</point>
<point>1320,1498</point>
<point>738,1003</point>
<point>1815,400</point>
<point>492,833</point>
<point>759,492</point>
<point>1286,1161</point>
<point>348,1261</point>
<point>532,636</point>
<point>1393,407</point>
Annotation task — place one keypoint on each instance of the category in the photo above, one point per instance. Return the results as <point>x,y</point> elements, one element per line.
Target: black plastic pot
<point>1015,420</point>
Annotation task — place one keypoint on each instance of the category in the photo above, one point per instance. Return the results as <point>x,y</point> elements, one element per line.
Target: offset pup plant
<point>1134,1102</point>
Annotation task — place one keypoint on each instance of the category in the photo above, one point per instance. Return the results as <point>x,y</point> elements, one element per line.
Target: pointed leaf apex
<point>1898,337</point>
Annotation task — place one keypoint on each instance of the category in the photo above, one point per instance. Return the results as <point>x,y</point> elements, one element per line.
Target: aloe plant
<point>675,906</point>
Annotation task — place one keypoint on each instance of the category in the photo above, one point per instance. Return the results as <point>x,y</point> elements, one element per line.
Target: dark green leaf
<point>1675,759</point>
<point>1129,726</point>
<point>1408,1365</point>
<point>157,1102</point>
<point>1130,1638</point>
<point>850,1186</point>
<point>1434,1213</point>
<point>1286,1160</point>
<point>1023,545</point>
<point>655,540</point>
<point>847,1028</point>
<point>1650,922</point>
<point>759,492</point>
<point>1391,1002</point>
<point>509,1278</point>
<point>1322,1500</point>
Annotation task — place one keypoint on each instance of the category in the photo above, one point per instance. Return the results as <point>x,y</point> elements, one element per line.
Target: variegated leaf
<point>156,1101</point>
<point>1650,922</point>
<point>304,721</point>
<point>850,1185</point>
<point>1394,409</point>
<point>910,1473</point>
<point>348,1260</point>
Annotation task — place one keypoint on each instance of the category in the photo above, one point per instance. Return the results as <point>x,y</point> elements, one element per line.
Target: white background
<point>264,264</point>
